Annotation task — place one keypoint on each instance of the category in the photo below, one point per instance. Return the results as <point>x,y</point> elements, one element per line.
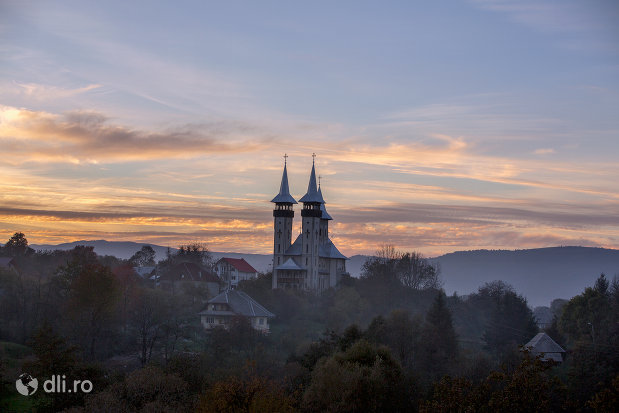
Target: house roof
<point>189,271</point>
<point>284,196</point>
<point>289,265</point>
<point>239,303</point>
<point>329,250</point>
<point>239,263</point>
<point>542,343</point>
<point>312,194</point>
<point>296,248</point>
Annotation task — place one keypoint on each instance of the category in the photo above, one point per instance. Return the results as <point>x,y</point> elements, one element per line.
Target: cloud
<point>544,151</point>
<point>589,25</point>
<point>86,136</point>
<point>479,215</point>
<point>41,92</point>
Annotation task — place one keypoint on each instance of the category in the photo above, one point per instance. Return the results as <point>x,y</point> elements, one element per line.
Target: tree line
<point>390,340</point>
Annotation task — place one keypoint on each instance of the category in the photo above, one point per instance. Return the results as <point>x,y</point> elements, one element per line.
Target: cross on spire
<point>319,178</point>
<point>285,158</point>
<point>313,158</point>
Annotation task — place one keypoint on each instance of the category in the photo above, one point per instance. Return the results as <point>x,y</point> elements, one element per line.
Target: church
<point>311,262</point>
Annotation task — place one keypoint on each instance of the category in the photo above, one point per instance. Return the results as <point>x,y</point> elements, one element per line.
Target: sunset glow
<point>479,125</point>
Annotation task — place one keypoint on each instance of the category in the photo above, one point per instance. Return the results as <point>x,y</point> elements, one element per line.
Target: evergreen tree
<point>439,340</point>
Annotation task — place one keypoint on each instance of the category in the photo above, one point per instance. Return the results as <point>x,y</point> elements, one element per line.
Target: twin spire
<point>284,196</point>
<point>313,195</point>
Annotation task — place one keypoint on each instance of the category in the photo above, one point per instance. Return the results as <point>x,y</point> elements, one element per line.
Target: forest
<point>390,340</point>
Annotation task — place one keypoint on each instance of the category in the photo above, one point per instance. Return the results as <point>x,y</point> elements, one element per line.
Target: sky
<point>437,126</point>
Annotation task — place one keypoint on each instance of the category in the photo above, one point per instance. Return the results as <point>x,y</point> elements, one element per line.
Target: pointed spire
<point>284,193</point>
<point>312,194</point>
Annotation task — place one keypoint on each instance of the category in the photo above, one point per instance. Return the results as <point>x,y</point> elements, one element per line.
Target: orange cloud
<point>78,137</point>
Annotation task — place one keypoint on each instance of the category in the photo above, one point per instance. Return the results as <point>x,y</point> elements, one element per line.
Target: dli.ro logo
<point>27,385</point>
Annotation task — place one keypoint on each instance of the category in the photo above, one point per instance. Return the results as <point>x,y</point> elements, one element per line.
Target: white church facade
<point>311,262</point>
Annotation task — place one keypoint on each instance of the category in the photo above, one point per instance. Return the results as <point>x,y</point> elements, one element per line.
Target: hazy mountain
<point>540,275</point>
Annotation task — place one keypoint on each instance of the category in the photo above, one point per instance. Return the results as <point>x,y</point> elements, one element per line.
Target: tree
<point>146,317</point>
<point>17,245</point>
<point>528,388</point>
<point>145,390</point>
<point>439,340</point>
<point>399,332</point>
<point>511,321</point>
<point>197,253</point>
<point>93,294</point>
<point>254,394</point>
<point>590,321</point>
<point>144,257</point>
<point>587,316</point>
<point>409,268</point>
<point>416,272</point>
<point>363,378</point>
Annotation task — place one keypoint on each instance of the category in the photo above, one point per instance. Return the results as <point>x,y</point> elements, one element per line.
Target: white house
<point>233,270</point>
<point>220,310</point>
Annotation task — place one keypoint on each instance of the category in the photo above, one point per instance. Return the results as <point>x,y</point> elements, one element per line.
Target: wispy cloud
<point>89,136</point>
<point>40,92</point>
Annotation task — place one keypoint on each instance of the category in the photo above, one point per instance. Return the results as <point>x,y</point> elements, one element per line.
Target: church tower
<point>311,262</point>
<point>283,215</point>
<point>311,215</point>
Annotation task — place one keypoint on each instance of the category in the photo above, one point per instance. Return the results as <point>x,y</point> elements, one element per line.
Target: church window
<point>279,234</point>
<point>307,233</point>
<point>279,248</point>
<point>305,260</point>
<point>278,260</point>
<point>320,232</point>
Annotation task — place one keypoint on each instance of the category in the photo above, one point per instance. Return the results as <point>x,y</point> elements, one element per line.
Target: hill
<point>540,275</point>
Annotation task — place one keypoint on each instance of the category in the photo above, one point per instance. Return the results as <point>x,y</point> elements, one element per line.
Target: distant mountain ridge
<point>540,275</point>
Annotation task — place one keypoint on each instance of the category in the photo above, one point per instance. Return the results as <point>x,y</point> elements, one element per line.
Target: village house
<point>546,346</point>
<point>221,309</point>
<point>233,270</point>
<point>186,275</point>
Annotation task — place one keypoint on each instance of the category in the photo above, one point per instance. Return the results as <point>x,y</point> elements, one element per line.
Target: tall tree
<point>416,272</point>
<point>144,257</point>
<point>17,245</point>
<point>511,322</point>
<point>363,378</point>
<point>439,341</point>
<point>93,295</point>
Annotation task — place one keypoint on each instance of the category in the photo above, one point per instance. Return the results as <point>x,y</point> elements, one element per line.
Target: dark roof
<point>542,343</point>
<point>329,250</point>
<point>289,265</point>
<point>189,271</point>
<point>325,214</point>
<point>284,196</point>
<point>239,303</point>
<point>312,194</point>
<point>239,263</point>
<point>296,248</point>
